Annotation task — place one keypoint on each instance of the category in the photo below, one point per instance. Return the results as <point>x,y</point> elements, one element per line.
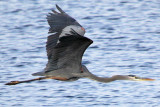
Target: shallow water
<point>126,41</point>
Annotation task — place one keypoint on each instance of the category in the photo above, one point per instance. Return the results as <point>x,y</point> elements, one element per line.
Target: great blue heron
<point>65,47</point>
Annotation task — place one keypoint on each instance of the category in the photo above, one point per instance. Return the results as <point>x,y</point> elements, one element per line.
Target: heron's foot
<point>12,83</point>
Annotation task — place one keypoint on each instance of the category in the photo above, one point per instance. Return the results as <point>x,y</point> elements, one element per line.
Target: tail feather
<point>38,74</point>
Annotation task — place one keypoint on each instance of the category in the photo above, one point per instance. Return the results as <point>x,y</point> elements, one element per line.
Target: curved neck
<point>107,79</point>
<point>89,75</point>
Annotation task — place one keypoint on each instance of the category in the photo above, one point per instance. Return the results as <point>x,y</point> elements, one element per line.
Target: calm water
<point>126,35</point>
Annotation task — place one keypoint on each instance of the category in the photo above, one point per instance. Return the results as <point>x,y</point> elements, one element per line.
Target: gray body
<point>72,74</point>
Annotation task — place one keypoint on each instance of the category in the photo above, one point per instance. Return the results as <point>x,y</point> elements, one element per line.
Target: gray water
<point>126,35</point>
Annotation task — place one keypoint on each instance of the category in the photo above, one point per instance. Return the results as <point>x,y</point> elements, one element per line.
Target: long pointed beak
<point>145,79</point>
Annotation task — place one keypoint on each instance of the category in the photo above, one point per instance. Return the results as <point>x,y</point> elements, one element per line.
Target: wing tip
<point>55,12</point>
<point>59,9</point>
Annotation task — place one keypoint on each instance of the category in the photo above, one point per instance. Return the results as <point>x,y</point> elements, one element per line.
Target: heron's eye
<point>132,75</point>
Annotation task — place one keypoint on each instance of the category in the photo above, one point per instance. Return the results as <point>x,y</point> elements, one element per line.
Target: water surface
<point>126,41</point>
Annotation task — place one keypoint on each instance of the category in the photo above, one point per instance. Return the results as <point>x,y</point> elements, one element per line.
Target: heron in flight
<point>65,47</point>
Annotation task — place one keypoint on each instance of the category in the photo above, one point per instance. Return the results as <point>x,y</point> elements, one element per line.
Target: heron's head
<point>136,78</point>
<point>131,77</point>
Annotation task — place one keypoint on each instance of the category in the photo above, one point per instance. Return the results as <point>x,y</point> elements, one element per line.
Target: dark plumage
<point>59,20</point>
<point>65,48</point>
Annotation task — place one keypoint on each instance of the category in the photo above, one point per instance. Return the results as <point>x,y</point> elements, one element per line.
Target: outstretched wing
<point>57,21</point>
<point>64,50</point>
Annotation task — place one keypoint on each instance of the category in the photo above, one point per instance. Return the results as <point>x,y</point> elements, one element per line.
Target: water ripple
<point>126,41</point>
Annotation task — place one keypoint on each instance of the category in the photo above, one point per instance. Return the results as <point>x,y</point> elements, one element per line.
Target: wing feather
<point>65,51</point>
<point>68,52</point>
<point>51,43</point>
<point>58,21</point>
